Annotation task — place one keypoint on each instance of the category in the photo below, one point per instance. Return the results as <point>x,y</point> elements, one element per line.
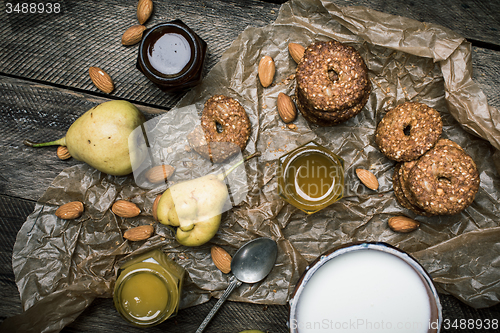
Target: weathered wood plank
<point>59,48</point>
<point>486,66</point>
<point>233,317</point>
<point>102,317</point>
<point>474,19</point>
<point>40,113</point>
<point>13,213</point>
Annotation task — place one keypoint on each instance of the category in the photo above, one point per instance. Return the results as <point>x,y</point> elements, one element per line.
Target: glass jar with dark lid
<point>172,56</point>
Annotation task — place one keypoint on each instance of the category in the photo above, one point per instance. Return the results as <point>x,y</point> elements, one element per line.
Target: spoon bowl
<point>254,260</point>
<point>250,264</point>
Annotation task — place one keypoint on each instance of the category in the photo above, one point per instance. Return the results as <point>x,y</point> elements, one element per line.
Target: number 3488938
<point>33,8</point>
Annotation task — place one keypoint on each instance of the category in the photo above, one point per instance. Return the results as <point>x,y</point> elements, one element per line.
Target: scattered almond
<point>71,210</point>
<point>139,233</point>
<point>221,259</point>
<point>296,51</point>
<point>367,178</point>
<point>267,69</point>
<point>155,206</point>
<point>144,10</point>
<point>101,80</point>
<point>286,108</point>
<point>160,173</point>
<point>125,208</point>
<point>133,35</point>
<point>403,224</point>
<point>63,153</point>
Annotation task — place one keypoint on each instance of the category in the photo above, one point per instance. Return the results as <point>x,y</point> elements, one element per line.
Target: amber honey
<point>148,289</point>
<point>311,177</point>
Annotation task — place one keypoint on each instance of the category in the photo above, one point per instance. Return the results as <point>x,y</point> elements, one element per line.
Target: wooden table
<point>44,59</point>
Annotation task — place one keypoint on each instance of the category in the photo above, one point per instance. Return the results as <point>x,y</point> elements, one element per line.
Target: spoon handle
<point>234,283</point>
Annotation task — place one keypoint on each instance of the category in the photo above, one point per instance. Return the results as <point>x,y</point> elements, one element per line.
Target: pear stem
<point>223,175</point>
<point>60,142</point>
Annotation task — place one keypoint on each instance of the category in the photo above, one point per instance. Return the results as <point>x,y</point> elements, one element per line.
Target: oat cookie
<point>398,192</point>
<point>401,198</point>
<point>444,181</point>
<point>224,131</point>
<point>408,131</point>
<point>332,83</point>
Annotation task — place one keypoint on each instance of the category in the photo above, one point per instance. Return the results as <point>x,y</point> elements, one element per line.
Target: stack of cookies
<point>332,83</point>
<point>434,176</point>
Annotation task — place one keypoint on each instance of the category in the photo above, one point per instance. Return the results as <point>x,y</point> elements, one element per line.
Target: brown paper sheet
<point>407,60</point>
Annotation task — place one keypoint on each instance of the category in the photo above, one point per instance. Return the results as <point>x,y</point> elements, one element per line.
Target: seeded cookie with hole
<point>224,131</point>
<point>408,131</point>
<point>444,181</point>
<point>332,83</point>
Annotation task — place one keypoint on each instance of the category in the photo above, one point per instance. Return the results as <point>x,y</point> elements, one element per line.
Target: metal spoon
<point>250,264</point>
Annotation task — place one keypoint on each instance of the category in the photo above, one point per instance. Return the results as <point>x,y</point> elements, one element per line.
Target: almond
<point>403,224</point>
<point>133,35</point>
<point>144,10</point>
<point>286,108</point>
<point>155,206</point>
<point>160,173</point>
<point>63,153</point>
<point>367,178</point>
<point>71,210</point>
<point>101,80</point>
<point>139,233</point>
<point>125,208</point>
<point>221,259</point>
<point>267,69</point>
<point>296,51</point>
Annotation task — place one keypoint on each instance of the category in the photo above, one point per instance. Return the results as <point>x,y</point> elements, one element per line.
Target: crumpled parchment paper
<point>66,264</point>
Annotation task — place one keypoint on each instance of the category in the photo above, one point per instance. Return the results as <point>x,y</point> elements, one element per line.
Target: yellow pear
<point>195,207</point>
<point>100,137</point>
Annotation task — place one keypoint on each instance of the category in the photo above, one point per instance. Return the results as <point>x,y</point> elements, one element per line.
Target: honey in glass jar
<point>148,289</point>
<point>311,177</point>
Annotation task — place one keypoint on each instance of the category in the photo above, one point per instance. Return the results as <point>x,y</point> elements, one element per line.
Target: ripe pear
<point>195,207</point>
<point>100,137</point>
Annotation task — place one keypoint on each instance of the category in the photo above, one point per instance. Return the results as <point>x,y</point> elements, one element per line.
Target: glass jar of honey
<point>172,56</point>
<point>148,289</point>
<point>311,177</point>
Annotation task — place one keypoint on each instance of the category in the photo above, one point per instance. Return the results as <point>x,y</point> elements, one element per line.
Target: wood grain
<point>40,113</point>
<point>478,21</point>
<point>59,49</point>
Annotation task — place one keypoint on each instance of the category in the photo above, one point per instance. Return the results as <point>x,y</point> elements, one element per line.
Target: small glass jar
<point>311,177</point>
<point>172,56</point>
<point>148,289</point>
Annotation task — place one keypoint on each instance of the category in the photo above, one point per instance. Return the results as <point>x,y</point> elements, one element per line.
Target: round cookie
<point>422,123</point>
<point>444,181</point>
<point>399,192</point>
<point>447,143</point>
<point>404,172</point>
<point>330,118</point>
<point>224,131</point>
<point>332,82</point>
